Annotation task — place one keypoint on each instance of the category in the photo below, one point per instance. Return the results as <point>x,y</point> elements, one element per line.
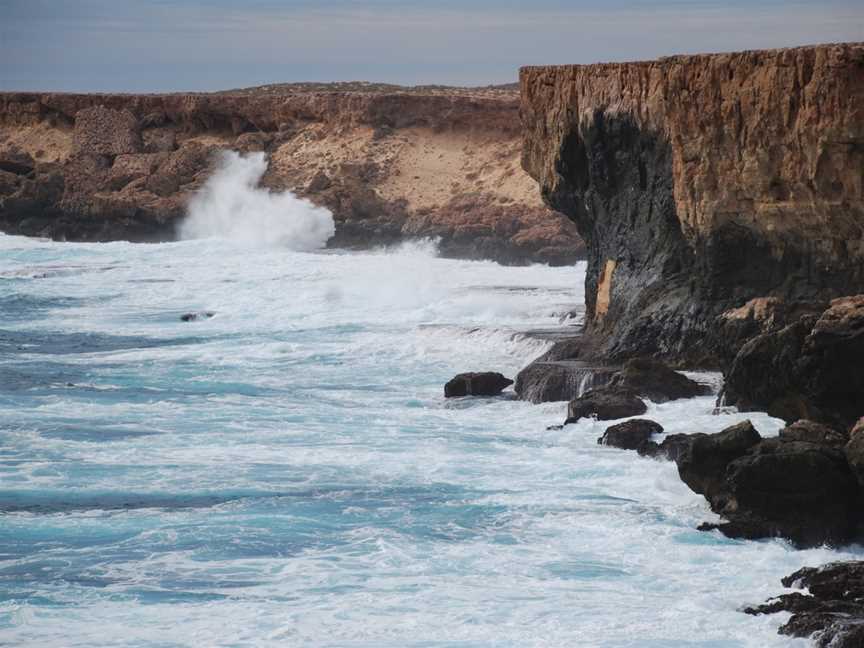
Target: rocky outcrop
<point>700,184</point>
<point>390,163</point>
<point>802,490</point>
<point>832,612</point>
<point>485,383</point>
<point>656,381</point>
<point>813,368</point>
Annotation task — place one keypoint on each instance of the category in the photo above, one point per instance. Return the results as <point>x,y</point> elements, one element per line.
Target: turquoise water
<point>288,472</point>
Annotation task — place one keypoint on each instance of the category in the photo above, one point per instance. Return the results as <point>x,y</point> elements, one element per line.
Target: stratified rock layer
<point>390,163</point>
<point>700,183</point>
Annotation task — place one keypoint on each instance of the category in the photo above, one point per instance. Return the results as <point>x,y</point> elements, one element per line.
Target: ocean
<point>287,472</point>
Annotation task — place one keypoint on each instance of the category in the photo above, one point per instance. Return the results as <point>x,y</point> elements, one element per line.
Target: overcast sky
<point>168,45</point>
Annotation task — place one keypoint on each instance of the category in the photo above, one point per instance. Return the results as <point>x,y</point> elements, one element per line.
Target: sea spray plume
<point>231,205</point>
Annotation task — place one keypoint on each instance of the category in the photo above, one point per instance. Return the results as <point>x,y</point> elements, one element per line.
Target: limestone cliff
<point>700,183</point>
<point>391,163</point>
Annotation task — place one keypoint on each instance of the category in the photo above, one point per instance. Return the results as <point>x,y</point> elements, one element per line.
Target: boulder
<point>630,435</point>
<point>605,403</point>
<point>655,381</point>
<point>487,383</point>
<point>833,607</point>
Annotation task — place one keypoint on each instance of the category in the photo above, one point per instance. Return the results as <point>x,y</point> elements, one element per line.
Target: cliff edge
<point>391,164</point>
<point>707,188</point>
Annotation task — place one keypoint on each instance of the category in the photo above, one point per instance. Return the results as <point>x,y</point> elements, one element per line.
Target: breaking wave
<point>233,206</point>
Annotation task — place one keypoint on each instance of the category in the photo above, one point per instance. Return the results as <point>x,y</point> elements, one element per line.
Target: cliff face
<point>390,163</point>
<point>700,183</point>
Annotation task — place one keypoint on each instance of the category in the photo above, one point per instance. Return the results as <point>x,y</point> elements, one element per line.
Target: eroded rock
<point>656,381</point>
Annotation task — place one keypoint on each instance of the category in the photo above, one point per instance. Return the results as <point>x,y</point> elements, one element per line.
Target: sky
<point>199,45</point>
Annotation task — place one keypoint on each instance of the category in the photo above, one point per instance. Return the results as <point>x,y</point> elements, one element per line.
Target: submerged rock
<point>630,435</point>
<point>487,383</point>
<point>194,317</point>
<point>605,403</point>
<point>832,610</point>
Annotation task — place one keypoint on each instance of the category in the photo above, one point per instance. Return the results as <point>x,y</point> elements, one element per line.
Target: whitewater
<point>288,473</point>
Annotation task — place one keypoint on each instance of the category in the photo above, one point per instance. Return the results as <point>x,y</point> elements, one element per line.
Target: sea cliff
<point>391,163</point>
<point>702,183</point>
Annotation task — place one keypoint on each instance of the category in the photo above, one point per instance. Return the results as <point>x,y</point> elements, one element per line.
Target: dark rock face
<point>816,368</point>
<point>486,383</point>
<point>854,450</point>
<point>605,403</point>
<point>655,381</point>
<point>630,435</point>
<point>832,612</point>
<point>670,448</point>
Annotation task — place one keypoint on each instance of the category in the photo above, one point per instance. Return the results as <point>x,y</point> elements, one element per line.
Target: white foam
<point>233,206</point>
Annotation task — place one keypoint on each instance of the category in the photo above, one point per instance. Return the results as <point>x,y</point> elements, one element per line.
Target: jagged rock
<point>159,140</point>
<point>833,610</point>
<point>812,432</point>
<point>487,383</point>
<point>702,462</point>
<point>104,131</point>
<point>655,381</point>
<point>605,403</point>
<point>14,160</point>
<point>816,368</point>
<point>630,435</point>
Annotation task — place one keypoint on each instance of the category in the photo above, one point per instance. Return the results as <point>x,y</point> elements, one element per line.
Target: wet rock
<point>194,317</point>
<point>544,382</point>
<point>487,383</point>
<point>816,368</point>
<point>702,462</point>
<point>670,448</point>
<point>832,611</point>
<point>812,432</point>
<point>605,403</point>
<point>654,380</point>
<point>801,491</point>
<point>630,435</point>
